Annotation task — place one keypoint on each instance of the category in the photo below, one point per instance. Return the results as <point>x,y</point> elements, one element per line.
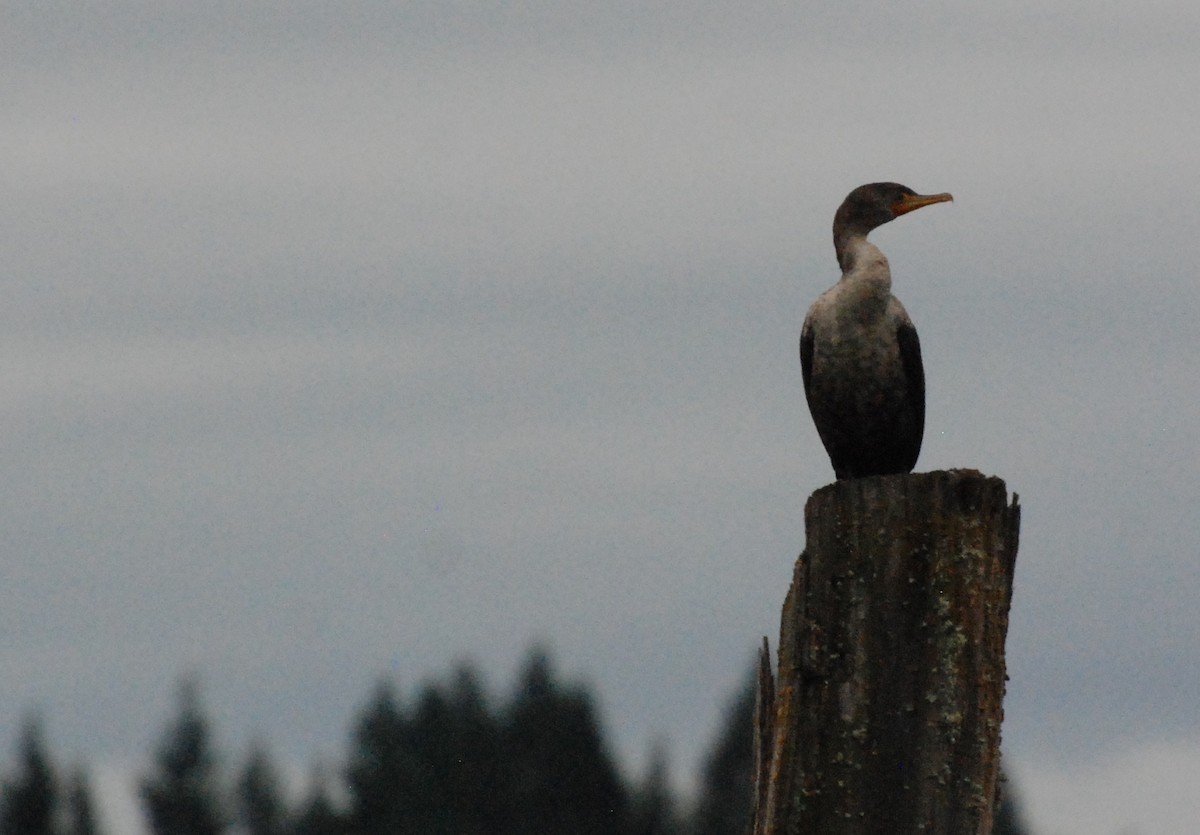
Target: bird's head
<point>875,204</point>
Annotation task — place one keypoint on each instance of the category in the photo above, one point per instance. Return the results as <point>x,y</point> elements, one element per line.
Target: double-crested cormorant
<point>859,351</point>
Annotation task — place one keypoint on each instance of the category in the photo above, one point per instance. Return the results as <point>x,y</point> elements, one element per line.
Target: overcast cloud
<point>347,340</point>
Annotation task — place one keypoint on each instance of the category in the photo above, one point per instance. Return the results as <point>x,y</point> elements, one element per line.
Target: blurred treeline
<point>449,762</point>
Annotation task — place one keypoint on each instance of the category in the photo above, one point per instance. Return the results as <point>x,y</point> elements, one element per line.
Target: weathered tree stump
<point>885,713</point>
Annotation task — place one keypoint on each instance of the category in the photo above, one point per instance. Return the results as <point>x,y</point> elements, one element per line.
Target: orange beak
<point>915,201</point>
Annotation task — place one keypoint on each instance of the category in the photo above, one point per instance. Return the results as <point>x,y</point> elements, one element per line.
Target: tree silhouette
<point>561,778</point>
<point>181,796</point>
<point>317,814</point>
<point>260,809</point>
<point>28,800</point>
<point>723,807</point>
<point>653,810</point>
<point>455,746</point>
<point>378,775</point>
<point>80,815</point>
<point>438,770</point>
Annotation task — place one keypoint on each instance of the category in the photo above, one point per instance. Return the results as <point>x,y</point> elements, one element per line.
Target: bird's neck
<point>861,260</point>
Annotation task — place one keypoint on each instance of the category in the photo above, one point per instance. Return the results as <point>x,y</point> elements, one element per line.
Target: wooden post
<point>885,714</point>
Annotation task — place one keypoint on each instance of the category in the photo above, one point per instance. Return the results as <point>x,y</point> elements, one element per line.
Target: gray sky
<point>347,340</point>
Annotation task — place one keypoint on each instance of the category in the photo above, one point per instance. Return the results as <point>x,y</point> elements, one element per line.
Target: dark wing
<point>806,354</point>
<point>914,378</point>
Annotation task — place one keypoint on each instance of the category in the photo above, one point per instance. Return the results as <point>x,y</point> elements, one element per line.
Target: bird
<point>859,353</point>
